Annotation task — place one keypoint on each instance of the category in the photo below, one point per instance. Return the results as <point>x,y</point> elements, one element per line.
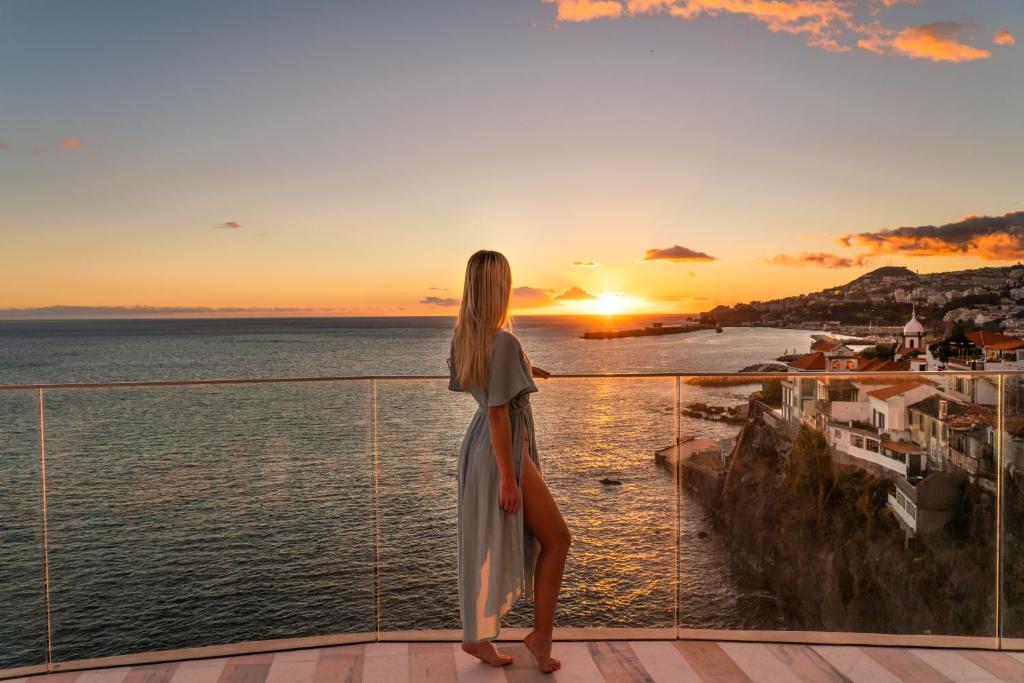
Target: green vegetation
<point>771,392</point>
<point>822,539</point>
<point>955,345</point>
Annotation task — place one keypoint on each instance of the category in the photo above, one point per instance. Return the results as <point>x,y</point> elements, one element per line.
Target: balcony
<point>315,518</point>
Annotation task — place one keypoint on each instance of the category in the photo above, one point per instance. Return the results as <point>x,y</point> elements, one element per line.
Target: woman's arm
<point>500,428</point>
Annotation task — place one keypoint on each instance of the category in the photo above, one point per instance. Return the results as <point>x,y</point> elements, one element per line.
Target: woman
<point>505,549</point>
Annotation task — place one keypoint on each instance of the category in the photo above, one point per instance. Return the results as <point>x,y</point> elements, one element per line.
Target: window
<point>857,441</point>
<point>878,419</point>
<point>839,435</point>
<point>871,445</point>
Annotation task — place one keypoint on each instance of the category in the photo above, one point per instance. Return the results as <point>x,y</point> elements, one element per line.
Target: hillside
<point>884,272</point>
<point>990,298</point>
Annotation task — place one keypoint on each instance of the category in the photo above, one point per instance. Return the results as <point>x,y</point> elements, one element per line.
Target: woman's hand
<point>540,372</point>
<point>508,494</point>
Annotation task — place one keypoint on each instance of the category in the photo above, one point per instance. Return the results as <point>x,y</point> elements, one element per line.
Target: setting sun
<point>610,303</point>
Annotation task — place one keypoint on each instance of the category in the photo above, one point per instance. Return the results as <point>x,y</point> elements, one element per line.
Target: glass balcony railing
<point>152,517</point>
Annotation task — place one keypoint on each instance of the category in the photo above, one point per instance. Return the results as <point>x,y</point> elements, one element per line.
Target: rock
<point>702,534</point>
<point>611,482</point>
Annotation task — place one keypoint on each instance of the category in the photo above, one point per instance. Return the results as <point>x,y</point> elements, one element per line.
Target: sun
<point>611,303</point>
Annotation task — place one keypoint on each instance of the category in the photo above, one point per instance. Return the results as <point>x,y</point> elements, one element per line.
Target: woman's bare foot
<point>485,652</point>
<point>541,651</point>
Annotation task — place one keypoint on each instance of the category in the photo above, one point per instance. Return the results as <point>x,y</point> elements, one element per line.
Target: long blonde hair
<point>484,310</point>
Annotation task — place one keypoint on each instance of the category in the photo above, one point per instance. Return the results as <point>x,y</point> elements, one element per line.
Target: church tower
<point>913,333</point>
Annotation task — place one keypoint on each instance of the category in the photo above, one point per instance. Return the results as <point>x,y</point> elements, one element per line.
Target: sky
<point>346,158</point>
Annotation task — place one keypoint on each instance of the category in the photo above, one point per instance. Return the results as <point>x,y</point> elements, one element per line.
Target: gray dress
<point>497,552</point>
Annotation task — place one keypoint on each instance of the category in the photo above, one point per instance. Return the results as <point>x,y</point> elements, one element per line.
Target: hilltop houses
<point>930,435</point>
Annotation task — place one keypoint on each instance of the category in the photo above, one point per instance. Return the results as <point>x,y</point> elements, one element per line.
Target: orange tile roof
<point>902,447</point>
<point>810,361</point>
<point>878,365</point>
<point>1008,345</point>
<point>825,345</point>
<point>886,393</point>
<point>986,338</point>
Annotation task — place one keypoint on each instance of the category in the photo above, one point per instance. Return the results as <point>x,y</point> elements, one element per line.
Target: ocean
<point>184,516</point>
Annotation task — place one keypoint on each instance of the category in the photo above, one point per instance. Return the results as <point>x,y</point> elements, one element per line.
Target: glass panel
<point>22,586</point>
<point>621,567</point>
<point>1012,452</point>
<point>859,503</point>
<point>190,516</point>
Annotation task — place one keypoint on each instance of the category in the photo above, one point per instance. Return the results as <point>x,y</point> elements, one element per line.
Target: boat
<point>650,331</point>
<point>718,328</point>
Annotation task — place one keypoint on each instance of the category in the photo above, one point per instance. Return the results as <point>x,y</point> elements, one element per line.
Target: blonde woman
<point>513,540</point>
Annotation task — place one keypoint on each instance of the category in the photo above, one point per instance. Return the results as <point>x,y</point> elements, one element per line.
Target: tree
<point>955,345</point>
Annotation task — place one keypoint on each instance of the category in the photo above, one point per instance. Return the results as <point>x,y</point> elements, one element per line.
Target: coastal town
<point>907,404</point>
<point>878,302</point>
<point>869,466</point>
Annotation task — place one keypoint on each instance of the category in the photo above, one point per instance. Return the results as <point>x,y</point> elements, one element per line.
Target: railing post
<point>1000,425</point>
<point>376,508</point>
<point>678,493</point>
<point>46,534</point>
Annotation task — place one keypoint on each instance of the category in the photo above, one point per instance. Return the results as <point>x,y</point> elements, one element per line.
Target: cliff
<point>820,537</point>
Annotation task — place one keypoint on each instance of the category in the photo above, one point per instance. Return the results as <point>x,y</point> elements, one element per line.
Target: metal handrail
<point>753,376</point>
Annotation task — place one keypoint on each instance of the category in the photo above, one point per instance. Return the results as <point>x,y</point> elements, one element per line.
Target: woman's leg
<point>541,515</point>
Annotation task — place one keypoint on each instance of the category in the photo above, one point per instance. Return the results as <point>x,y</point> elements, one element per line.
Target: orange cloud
<point>439,301</point>
<point>575,294</point>
<point>530,297</point>
<point>586,264</point>
<point>1004,38</point>
<point>822,21</point>
<point>229,225</point>
<point>820,259</point>
<point>832,25</point>
<point>992,238</point>
<point>676,253</point>
<point>587,10</point>
<point>937,42</point>
<point>71,143</point>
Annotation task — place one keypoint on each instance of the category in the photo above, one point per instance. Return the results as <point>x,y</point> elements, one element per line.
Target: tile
<point>577,664</point>
<point>523,668</point>
<point>152,673</point>
<point>292,671</point>
<point>806,663</point>
<point>905,665</point>
<point>431,662</point>
<point>469,669</point>
<point>198,674</point>
<point>710,662</point>
<point>617,662</point>
<point>999,664</point>
<point>386,662</point>
<point>759,663</point>
<point>954,665</point>
<point>663,662</point>
<point>248,669</point>
<point>854,663</point>
<point>387,649</point>
<point>116,675</point>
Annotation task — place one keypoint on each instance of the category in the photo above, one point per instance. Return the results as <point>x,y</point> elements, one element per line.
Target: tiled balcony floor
<point>682,661</point>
